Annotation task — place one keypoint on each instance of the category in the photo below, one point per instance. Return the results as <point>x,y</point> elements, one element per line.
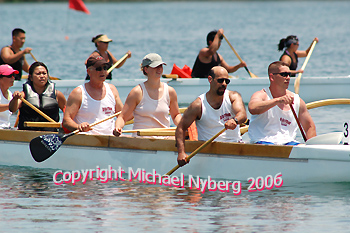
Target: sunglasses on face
<point>7,76</point>
<point>101,67</point>
<point>284,74</point>
<point>221,80</point>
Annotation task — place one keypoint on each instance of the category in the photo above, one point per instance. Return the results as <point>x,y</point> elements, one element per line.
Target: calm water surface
<point>31,202</point>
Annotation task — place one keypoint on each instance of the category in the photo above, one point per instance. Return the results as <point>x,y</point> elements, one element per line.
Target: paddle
<point>117,63</point>
<point>298,122</point>
<point>297,80</point>
<point>196,151</point>
<point>44,146</point>
<point>37,110</point>
<point>239,58</point>
<point>42,124</point>
<point>32,56</point>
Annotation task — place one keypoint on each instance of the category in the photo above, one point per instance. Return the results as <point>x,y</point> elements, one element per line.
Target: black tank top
<point>293,65</point>
<point>109,65</point>
<point>46,102</point>
<point>16,66</point>
<point>201,70</point>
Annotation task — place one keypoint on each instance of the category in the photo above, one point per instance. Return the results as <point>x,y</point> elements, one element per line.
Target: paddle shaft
<point>197,150</point>
<point>298,122</point>
<point>37,110</point>
<point>93,124</point>
<point>239,58</point>
<point>150,130</point>
<point>33,56</point>
<point>117,63</point>
<point>297,80</point>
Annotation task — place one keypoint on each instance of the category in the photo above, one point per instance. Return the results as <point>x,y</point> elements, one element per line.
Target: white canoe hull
<point>311,89</point>
<point>231,161</point>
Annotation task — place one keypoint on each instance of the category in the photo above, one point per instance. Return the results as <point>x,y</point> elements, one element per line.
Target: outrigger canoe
<point>188,89</point>
<point>219,160</point>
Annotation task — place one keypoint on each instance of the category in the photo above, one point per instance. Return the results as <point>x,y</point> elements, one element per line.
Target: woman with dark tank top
<point>291,53</point>
<point>101,42</point>
<point>40,92</point>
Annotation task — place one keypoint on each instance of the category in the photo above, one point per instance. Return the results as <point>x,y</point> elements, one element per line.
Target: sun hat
<point>7,70</point>
<point>95,61</point>
<point>103,38</point>
<point>152,60</point>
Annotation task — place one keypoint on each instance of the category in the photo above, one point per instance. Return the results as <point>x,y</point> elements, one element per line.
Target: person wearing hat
<point>40,92</point>
<point>151,101</point>
<point>208,57</point>
<point>291,53</point>
<point>93,101</point>
<point>7,77</point>
<point>101,42</point>
<point>13,55</point>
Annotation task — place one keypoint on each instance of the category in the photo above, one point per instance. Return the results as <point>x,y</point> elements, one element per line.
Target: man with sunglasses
<point>7,77</point>
<point>272,120</point>
<point>93,101</point>
<point>217,109</point>
<point>13,55</point>
<point>208,57</point>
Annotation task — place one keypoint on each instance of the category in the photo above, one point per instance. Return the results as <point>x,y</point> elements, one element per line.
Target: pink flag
<point>78,5</point>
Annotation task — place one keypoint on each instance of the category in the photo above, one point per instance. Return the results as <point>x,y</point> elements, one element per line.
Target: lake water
<point>31,202</point>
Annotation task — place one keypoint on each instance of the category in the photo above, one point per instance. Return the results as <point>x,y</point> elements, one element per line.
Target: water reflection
<point>146,207</point>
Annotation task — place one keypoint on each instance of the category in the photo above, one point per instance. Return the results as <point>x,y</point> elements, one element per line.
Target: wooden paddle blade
<point>44,146</point>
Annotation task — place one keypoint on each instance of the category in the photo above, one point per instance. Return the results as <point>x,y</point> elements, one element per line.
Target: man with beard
<point>217,109</point>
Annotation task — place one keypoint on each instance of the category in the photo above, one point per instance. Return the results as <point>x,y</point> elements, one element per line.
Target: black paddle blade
<point>44,146</point>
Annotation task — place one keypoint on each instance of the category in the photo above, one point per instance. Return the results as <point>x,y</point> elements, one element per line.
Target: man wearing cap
<point>150,102</point>
<point>13,55</point>
<point>93,101</point>
<point>208,57</point>
<point>101,42</point>
<point>213,111</point>
<point>7,77</point>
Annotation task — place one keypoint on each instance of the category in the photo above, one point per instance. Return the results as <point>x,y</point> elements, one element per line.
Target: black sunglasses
<point>101,67</point>
<point>284,74</point>
<point>221,80</point>
<point>8,76</point>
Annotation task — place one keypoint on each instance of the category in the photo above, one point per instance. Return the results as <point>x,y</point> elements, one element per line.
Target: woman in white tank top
<point>150,102</point>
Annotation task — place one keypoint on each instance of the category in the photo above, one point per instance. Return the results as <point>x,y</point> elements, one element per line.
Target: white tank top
<point>150,113</point>
<point>5,115</point>
<point>275,125</point>
<point>213,121</point>
<point>92,110</point>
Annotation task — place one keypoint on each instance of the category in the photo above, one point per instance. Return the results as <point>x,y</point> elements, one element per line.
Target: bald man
<point>217,109</point>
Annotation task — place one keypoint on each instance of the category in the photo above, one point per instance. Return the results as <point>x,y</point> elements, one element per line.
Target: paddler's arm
<point>16,102</point>
<point>306,120</point>
<point>174,106</point>
<point>133,99</point>
<point>193,112</point>
<point>301,53</point>
<point>259,103</point>
<point>73,105</point>
<point>238,108</point>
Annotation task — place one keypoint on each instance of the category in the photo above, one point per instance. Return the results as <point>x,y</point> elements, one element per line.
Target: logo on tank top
<point>284,122</point>
<point>107,110</point>
<point>225,117</point>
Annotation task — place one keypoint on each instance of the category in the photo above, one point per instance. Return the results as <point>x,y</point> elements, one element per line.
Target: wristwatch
<point>235,119</point>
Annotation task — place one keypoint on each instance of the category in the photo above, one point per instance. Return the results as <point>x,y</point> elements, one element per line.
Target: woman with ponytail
<point>291,53</point>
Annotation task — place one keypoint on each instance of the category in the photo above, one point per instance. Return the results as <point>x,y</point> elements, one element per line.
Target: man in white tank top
<point>272,120</point>
<point>217,109</point>
<point>93,101</point>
